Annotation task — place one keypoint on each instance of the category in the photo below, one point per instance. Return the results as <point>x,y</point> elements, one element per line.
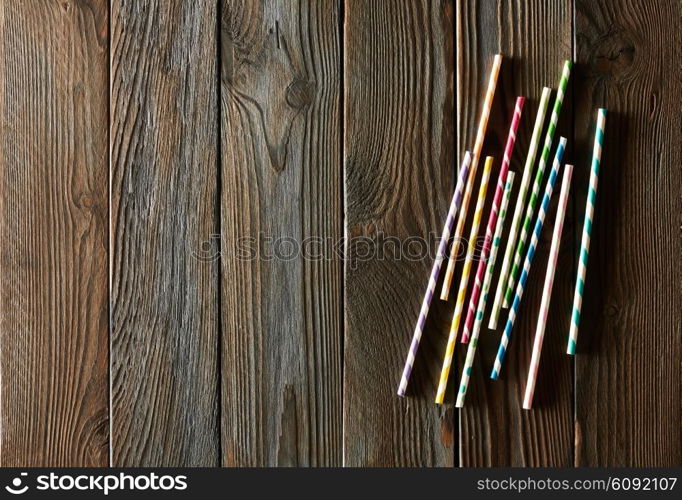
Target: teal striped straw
<point>587,230</point>
<point>544,158</point>
<point>514,310</point>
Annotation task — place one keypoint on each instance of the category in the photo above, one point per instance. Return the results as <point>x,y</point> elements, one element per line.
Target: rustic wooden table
<point>153,152</point>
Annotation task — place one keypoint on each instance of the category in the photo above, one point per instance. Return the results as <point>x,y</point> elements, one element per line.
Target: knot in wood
<point>614,55</point>
<point>299,93</point>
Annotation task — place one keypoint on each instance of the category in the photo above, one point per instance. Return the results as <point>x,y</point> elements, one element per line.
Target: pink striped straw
<point>547,290</point>
<point>492,219</point>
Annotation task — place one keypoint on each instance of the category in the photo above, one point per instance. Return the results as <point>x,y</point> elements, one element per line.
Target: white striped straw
<point>547,289</point>
<point>440,256</point>
<point>520,206</point>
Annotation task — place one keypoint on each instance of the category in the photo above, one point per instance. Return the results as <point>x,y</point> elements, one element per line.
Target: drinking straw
<point>547,289</point>
<point>492,218</point>
<point>520,205</point>
<point>454,327</point>
<point>471,351</point>
<point>440,255</point>
<point>587,231</point>
<point>549,137</point>
<point>478,145</point>
<point>506,335</point>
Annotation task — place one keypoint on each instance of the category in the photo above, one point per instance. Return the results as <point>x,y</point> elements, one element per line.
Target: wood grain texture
<point>53,234</point>
<point>628,380</point>
<point>398,161</point>
<point>164,295</point>
<point>535,38</point>
<point>206,219</point>
<point>281,219</point>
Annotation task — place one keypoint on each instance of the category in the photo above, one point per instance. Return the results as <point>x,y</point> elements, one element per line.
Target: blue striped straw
<point>440,256</point>
<point>513,311</point>
<point>587,230</point>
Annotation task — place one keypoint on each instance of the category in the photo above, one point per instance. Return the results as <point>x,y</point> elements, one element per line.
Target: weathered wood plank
<point>628,409</point>
<point>164,299</point>
<point>535,37</point>
<point>398,161</point>
<point>53,234</point>
<point>281,195</point>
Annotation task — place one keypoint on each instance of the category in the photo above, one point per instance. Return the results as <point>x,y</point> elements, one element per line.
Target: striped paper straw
<point>520,205</point>
<point>454,327</point>
<point>492,218</point>
<point>426,304</point>
<point>471,351</point>
<point>587,230</point>
<point>549,137</point>
<point>478,145</point>
<point>547,288</point>
<point>506,335</point>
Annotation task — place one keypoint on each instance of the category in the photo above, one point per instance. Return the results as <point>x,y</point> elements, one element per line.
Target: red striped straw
<point>547,290</point>
<point>492,219</point>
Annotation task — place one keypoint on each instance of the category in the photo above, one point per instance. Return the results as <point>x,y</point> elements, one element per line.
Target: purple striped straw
<point>440,256</point>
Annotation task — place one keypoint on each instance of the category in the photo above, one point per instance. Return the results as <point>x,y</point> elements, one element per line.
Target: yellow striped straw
<point>459,306</point>
<point>482,126</point>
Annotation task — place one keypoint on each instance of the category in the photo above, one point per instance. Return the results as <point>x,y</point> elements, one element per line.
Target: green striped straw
<point>587,230</point>
<point>483,299</point>
<point>530,210</point>
<point>520,205</point>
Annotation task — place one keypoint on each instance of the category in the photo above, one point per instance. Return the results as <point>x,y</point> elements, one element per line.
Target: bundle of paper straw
<point>492,219</point>
<point>478,146</point>
<point>538,181</point>
<point>547,288</point>
<point>520,205</point>
<point>587,231</point>
<point>506,335</point>
<point>508,287</point>
<point>452,339</point>
<point>471,351</point>
<point>426,304</point>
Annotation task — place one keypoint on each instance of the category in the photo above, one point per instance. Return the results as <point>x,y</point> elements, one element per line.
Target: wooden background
<point>141,139</point>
